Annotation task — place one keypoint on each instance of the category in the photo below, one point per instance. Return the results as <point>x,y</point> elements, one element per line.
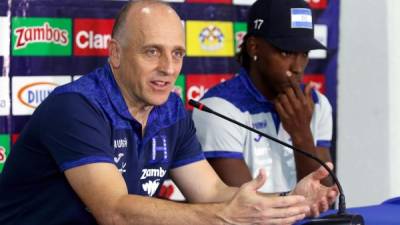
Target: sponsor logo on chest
<point>151,186</point>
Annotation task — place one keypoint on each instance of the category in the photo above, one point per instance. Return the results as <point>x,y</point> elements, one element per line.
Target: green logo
<point>4,149</point>
<point>41,36</point>
<point>240,30</point>
<point>180,87</point>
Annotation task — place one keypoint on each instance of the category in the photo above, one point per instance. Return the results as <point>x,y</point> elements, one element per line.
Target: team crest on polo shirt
<point>159,150</point>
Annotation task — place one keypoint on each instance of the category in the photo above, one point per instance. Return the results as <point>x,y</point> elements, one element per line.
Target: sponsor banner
<point>29,92</point>
<point>209,38</point>
<point>240,30</point>
<point>211,1</point>
<point>4,36</point>
<point>317,80</point>
<point>198,84</point>
<point>4,149</point>
<point>41,36</point>
<point>321,34</point>
<point>243,2</point>
<point>4,96</point>
<point>180,87</point>
<point>91,36</point>
<point>317,4</point>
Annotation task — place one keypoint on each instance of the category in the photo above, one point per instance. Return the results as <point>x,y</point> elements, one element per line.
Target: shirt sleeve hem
<point>84,161</point>
<point>224,154</point>
<point>324,143</point>
<point>187,161</point>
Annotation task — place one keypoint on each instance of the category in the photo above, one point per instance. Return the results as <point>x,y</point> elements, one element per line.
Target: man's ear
<point>251,46</point>
<point>114,53</point>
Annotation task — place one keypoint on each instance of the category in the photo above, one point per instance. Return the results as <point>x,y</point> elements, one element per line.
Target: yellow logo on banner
<point>209,38</point>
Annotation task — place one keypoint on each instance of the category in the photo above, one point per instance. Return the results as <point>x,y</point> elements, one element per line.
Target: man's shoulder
<point>90,87</point>
<point>224,89</point>
<point>232,91</point>
<point>88,84</point>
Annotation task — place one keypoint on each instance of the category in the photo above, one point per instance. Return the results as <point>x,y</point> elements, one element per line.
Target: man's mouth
<point>160,83</point>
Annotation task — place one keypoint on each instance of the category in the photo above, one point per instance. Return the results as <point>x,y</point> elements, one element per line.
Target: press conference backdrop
<point>47,43</point>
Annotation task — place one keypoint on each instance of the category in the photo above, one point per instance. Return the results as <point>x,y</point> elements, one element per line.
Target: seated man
<point>267,96</point>
<point>96,150</point>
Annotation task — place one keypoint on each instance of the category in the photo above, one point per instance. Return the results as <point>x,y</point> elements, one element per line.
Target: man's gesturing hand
<point>318,197</point>
<point>250,207</point>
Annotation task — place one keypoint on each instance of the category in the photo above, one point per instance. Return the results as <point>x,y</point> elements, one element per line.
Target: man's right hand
<point>250,207</point>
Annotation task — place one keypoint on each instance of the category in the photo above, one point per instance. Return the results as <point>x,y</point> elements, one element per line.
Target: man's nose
<point>166,65</point>
<point>297,64</point>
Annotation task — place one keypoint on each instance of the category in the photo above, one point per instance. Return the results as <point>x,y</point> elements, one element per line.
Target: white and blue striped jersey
<point>239,99</point>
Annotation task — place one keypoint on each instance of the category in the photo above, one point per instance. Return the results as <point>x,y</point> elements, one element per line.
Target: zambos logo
<point>44,34</point>
<point>41,37</point>
<point>33,94</point>
<point>4,149</point>
<point>2,154</point>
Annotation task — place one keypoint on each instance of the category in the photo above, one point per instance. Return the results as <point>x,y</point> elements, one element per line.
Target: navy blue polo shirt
<point>87,121</point>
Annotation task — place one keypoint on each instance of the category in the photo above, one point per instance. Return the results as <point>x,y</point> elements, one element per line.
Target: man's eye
<point>179,54</point>
<point>285,54</point>
<point>152,52</point>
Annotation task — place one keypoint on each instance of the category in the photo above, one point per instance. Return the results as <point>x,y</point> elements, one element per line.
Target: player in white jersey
<point>267,95</point>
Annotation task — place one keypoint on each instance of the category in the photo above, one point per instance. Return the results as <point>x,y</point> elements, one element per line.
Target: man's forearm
<point>138,210</point>
<point>304,164</point>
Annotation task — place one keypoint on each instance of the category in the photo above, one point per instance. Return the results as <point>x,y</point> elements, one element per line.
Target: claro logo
<point>33,94</point>
<point>90,40</point>
<point>40,34</point>
<point>91,36</point>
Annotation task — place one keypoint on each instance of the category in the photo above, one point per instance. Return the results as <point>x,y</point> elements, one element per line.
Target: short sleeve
<point>74,131</point>
<point>218,137</point>
<point>188,148</point>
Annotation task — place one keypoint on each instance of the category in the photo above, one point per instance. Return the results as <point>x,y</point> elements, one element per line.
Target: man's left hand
<point>318,197</point>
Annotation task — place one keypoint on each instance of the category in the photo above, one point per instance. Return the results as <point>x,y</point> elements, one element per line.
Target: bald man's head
<point>146,51</point>
<point>119,28</point>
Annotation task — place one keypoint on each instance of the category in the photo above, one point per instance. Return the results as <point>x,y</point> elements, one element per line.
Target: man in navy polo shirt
<point>97,149</point>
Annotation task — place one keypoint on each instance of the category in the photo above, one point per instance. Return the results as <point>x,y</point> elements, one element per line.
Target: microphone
<point>341,218</point>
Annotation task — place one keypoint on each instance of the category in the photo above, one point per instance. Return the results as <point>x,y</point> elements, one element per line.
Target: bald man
<point>97,149</point>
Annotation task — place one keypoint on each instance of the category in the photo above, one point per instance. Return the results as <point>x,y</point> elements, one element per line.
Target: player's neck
<point>259,84</point>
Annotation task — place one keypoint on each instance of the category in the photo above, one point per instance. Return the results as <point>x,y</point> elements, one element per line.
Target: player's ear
<point>251,46</point>
<point>114,53</point>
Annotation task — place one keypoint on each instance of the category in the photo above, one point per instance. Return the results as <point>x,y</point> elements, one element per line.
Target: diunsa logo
<point>31,95</point>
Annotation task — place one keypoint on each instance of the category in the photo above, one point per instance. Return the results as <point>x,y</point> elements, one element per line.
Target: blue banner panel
<point>3,8</point>
<point>76,33</point>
